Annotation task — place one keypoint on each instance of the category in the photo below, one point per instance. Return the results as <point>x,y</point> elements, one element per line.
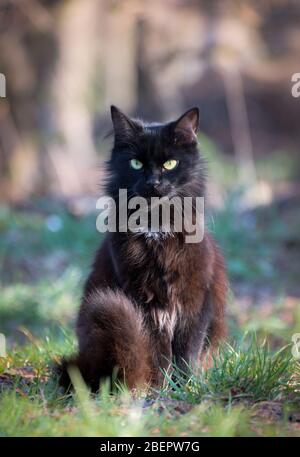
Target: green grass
<point>249,371</point>
<point>216,402</point>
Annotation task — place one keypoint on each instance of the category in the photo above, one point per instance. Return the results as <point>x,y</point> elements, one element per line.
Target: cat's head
<point>151,159</point>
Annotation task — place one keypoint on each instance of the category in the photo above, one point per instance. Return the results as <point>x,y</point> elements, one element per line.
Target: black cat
<point>151,299</point>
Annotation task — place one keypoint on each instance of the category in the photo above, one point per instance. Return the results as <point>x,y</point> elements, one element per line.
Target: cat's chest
<point>162,296</point>
<point>163,286</point>
<point>164,275</point>
<point>165,280</point>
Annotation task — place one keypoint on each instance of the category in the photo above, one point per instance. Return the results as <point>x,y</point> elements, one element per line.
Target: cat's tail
<point>112,342</point>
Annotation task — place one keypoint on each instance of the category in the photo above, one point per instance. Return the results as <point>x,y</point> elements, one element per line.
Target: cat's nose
<point>153,181</point>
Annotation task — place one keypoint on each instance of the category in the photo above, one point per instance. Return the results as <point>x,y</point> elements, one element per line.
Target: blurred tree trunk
<point>72,152</point>
<point>17,112</point>
<point>120,35</point>
<point>27,56</point>
<point>239,123</point>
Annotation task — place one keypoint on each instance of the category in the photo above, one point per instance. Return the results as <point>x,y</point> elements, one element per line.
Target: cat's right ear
<point>124,127</point>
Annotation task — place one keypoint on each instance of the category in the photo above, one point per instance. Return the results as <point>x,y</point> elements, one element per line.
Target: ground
<point>253,387</point>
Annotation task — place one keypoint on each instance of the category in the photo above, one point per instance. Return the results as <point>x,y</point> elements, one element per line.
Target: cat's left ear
<point>187,126</point>
<point>124,127</point>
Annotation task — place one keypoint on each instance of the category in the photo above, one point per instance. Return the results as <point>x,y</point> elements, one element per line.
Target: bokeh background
<point>67,61</point>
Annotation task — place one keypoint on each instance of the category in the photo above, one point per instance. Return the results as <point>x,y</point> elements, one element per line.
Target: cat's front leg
<point>161,323</point>
<point>162,355</point>
<point>190,336</point>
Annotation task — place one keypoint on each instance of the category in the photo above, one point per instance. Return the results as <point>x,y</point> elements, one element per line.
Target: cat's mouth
<point>154,194</point>
<point>158,193</point>
<point>147,195</point>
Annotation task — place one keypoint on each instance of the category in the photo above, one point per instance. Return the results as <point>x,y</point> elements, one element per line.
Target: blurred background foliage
<point>66,61</point>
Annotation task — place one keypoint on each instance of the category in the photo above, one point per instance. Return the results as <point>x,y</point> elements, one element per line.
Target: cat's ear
<point>124,127</point>
<point>187,126</point>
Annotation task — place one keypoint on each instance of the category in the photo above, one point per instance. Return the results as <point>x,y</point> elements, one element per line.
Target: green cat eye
<point>170,164</point>
<point>136,164</point>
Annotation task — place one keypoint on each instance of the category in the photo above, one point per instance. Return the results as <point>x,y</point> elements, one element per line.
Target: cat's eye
<point>136,164</point>
<point>170,164</point>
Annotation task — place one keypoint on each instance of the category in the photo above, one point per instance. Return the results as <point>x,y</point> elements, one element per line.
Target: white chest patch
<point>157,235</point>
<point>149,235</point>
<point>165,320</point>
